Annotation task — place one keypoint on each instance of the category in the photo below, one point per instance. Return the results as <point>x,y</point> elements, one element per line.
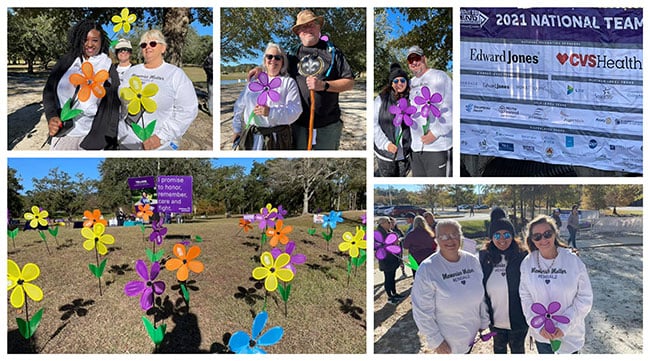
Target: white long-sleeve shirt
<point>566,282</point>
<point>65,90</point>
<point>177,105</point>
<point>448,301</point>
<point>438,82</point>
<point>283,112</point>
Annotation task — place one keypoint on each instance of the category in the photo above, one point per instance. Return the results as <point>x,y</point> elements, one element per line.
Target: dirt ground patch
<point>323,304</point>
<point>27,126</point>
<point>614,325</point>
<point>353,113</point>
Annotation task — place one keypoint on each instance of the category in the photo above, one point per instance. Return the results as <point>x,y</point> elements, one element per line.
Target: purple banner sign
<point>141,183</point>
<point>174,194</point>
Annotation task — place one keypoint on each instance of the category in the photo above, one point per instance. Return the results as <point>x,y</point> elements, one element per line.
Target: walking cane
<point>311,65</point>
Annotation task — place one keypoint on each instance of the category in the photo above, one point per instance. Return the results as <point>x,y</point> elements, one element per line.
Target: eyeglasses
<point>450,236</point>
<point>399,80</point>
<point>123,50</point>
<point>497,236</point>
<point>276,57</point>
<point>413,58</point>
<point>546,235</point>
<point>152,44</point>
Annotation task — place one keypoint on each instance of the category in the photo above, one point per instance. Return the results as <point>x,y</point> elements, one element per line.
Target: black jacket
<point>513,274</point>
<point>103,133</point>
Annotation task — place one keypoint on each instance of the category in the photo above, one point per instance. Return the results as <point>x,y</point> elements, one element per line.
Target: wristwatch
<point>327,86</point>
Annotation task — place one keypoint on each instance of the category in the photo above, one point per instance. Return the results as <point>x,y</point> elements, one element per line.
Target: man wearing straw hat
<point>321,71</point>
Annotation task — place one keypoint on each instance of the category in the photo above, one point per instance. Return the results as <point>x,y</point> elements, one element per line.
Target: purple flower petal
<point>263,79</point>
<point>298,258</point>
<point>561,319</point>
<point>394,249</point>
<point>426,93</point>
<point>538,308</point>
<point>273,95</point>
<point>537,321</point>
<point>435,98</point>
<point>255,87</point>
<point>435,111</point>
<point>425,111</point>
<point>261,99</point>
<point>390,239</point>
<point>276,252</point>
<point>549,326</point>
<point>155,270</point>
<point>141,269</point>
<point>158,287</point>
<point>380,253</point>
<point>146,300</point>
<point>553,307</point>
<point>290,247</point>
<point>275,83</point>
<point>394,109</point>
<point>134,288</point>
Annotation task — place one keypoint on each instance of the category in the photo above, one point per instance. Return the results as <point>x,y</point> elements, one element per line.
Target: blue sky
<point>28,168</point>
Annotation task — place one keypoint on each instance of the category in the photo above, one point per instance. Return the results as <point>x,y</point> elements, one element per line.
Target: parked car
<point>401,211</point>
<point>481,206</point>
<point>381,210</point>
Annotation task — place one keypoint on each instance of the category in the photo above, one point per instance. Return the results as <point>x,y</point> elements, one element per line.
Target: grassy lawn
<point>326,311</point>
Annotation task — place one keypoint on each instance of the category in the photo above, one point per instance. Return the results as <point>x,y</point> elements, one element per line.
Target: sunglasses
<point>399,80</point>
<point>152,44</point>
<point>505,235</point>
<point>546,235</point>
<point>124,50</point>
<point>276,57</point>
<point>413,58</point>
<point>447,237</point>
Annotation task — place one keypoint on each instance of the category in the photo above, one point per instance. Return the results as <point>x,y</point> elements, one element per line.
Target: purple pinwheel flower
<point>147,286</point>
<point>158,231</point>
<point>385,246</point>
<point>545,316</point>
<point>403,112</point>
<point>426,101</point>
<point>363,218</point>
<point>266,88</point>
<point>282,212</point>
<point>266,218</point>
<point>297,258</point>
<point>331,220</point>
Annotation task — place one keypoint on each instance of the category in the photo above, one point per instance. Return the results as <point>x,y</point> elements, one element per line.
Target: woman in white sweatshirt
<point>447,295</point>
<point>551,273</point>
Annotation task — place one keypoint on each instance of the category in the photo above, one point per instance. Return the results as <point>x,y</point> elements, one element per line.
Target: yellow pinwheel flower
<point>272,270</point>
<point>353,243</point>
<point>269,208</point>
<point>95,237</point>
<point>19,281</point>
<point>37,217</point>
<point>139,97</point>
<point>123,21</point>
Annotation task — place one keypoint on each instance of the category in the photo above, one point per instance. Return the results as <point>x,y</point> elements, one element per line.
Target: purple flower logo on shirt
<point>266,87</point>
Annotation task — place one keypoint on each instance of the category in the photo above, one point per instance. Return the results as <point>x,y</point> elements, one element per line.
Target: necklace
<point>548,269</point>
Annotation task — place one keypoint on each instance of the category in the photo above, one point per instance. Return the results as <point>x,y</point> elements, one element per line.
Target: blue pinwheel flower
<point>241,343</point>
<point>332,219</point>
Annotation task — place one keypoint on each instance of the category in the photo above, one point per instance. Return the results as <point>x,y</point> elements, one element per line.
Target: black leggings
<point>389,282</point>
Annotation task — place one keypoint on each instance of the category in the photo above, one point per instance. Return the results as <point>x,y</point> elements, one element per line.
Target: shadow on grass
<point>222,347</point>
<point>66,244</point>
<point>349,308</point>
<point>120,269</point>
<point>77,307</point>
<point>16,343</point>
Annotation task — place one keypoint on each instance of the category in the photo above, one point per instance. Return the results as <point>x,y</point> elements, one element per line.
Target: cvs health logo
<point>589,60</point>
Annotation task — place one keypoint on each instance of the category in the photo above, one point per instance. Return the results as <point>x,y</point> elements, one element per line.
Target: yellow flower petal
<point>29,216</point>
<point>127,27</point>
<point>42,222</point>
<point>35,210</point>
<point>30,272</point>
<point>282,260</point>
<point>89,244</point>
<point>124,13</point>
<point>87,233</point>
<point>13,270</point>
<point>99,229</point>
<point>344,246</point>
<point>33,223</point>
<point>134,106</point>
<point>284,274</point>
<point>101,249</point>
<point>267,259</point>
<point>271,283</point>
<point>131,18</point>
<point>136,84</point>
<point>149,104</point>
<point>17,297</point>
<point>260,273</point>
<point>107,239</point>
<point>117,26</point>
<point>116,19</point>
<point>127,94</point>
<point>354,251</point>
<point>348,237</point>
<point>34,292</point>
<point>362,243</point>
<point>150,90</point>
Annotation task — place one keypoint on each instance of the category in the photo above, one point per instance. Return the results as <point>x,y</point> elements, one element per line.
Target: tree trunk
<point>30,66</point>
<point>305,200</point>
<point>175,27</point>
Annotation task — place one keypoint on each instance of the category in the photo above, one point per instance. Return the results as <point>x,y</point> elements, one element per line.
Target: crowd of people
<point>85,103</point>
<point>515,286</point>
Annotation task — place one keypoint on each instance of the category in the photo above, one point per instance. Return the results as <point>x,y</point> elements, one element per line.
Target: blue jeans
<point>572,237</point>
<point>514,338</point>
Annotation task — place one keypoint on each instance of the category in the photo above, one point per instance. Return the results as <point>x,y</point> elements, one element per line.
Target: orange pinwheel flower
<point>245,225</point>
<point>94,217</point>
<point>185,261</point>
<point>279,234</point>
<point>144,212</point>
<point>89,81</point>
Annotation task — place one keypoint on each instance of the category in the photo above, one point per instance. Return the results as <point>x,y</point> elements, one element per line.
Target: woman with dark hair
<point>389,264</point>
<point>500,261</point>
<point>392,153</point>
<point>555,290</point>
<point>86,77</point>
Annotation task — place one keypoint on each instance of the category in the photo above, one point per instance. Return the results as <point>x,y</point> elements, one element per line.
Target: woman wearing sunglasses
<point>262,122</point>
<point>447,294</point>
<point>556,281</point>
<point>174,105</point>
<point>500,261</point>
<point>392,154</point>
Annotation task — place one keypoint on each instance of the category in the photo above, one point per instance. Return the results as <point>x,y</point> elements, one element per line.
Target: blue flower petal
<point>271,337</point>
<point>239,342</point>
<point>258,324</point>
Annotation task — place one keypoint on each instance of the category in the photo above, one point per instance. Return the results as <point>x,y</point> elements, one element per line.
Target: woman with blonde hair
<point>155,91</point>
<point>420,242</point>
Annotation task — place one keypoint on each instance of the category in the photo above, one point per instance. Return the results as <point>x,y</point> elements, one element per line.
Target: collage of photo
<point>496,152</point>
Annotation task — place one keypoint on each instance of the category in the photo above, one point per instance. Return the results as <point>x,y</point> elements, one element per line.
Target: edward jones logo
<point>599,61</point>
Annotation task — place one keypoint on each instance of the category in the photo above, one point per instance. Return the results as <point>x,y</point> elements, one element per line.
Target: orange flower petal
<point>179,251</point>
<point>195,266</point>
<point>173,264</point>
<point>84,93</point>
<point>182,274</point>
<point>193,252</point>
<point>77,79</point>
<point>87,70</point>
<point>101,76</point>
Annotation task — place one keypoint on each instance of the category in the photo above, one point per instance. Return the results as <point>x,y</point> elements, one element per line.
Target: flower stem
<point>266,294</point>
<point>99,279</point>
